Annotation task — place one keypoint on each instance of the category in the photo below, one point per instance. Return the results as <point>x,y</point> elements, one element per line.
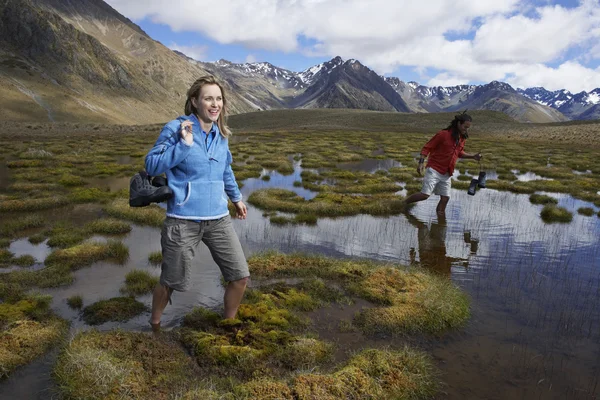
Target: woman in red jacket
<point>442,151</point>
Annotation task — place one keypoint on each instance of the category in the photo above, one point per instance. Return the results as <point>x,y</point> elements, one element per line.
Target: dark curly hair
<point>462,118</point>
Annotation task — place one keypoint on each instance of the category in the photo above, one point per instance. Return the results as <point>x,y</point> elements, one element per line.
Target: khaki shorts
<point>436,183</point>
<point>180,239</point>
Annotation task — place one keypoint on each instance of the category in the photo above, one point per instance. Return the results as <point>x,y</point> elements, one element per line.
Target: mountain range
<point>80,60</point>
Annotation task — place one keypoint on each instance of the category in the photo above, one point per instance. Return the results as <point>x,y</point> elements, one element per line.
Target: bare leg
<point>160,298</point>
<point>441,207</point>
<point>413,198</point>
<point>233,297</point>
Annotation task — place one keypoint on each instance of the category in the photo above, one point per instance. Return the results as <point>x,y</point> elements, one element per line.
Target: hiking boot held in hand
<point>142,193</point>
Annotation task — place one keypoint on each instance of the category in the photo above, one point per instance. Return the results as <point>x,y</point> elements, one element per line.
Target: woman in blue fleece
<point>193,151</point>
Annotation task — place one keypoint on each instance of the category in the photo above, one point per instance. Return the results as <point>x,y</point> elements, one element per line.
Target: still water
<point>535,287</point>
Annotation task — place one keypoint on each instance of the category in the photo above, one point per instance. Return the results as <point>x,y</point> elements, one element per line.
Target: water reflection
<point>528,176</point>
<point>432,246</point>
<point>277,180</point>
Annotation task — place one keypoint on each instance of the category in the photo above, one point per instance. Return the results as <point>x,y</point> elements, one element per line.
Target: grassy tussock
<point>11,228</point>
<point>326,204</point>
<point>27,330</point>
<point>586,211</point>
<point>120,309</point>
<point>85,254</point>
<point>117,365</point>
<point>75,302</point>
<point>542,199</point>
<point>410,301</point>
<point>138,283</point>
<point>152,215</point>
<point>551,213</point>
<point>155,258</point>
<point>33,204</point>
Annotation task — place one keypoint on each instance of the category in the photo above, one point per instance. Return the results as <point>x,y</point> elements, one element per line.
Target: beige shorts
<point>180,239</point>
<point>436,183</point>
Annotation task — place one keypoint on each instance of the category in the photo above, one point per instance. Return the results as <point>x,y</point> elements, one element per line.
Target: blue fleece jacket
<point>201,178</point>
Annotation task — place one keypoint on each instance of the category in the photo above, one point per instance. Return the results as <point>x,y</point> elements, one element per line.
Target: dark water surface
<point>535,288</point>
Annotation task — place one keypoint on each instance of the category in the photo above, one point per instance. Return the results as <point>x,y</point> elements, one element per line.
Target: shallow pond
<point>535,287</point>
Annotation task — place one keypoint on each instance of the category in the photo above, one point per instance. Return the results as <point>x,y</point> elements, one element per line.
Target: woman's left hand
<point>241,209</point>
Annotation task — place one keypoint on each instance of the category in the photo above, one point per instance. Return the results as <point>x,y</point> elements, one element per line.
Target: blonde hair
<point>193,93</point>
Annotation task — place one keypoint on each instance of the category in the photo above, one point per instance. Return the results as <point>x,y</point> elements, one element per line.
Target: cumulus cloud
<point>196,52</point>
<point>465,40</point>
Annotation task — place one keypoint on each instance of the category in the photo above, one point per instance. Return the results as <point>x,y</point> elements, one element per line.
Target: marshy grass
<point>116,365</point>
<point>75,302</point>
<point>118,309</point>
<point>33,204</point>
<point>542,199</point>
<point>151,215</point>
<point>408,301</point>
<point>108,226</point>
<point>155,258</point>
<point>12,227</point>
<point>586,211</point>
<point>28,328</point>
<point>326,204</point>
<point>85,254</point>
<point>138,282</point>
<point>551,213</point>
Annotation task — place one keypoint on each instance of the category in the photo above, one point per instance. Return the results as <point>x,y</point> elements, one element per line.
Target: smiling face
<point>208,104</point>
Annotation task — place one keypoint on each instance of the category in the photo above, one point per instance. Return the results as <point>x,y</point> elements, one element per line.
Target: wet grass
<point>138,282</point>
<point>542,199</point>
<point>28,328</point>
<point>155,258</point>
<point>408,301</point>
<point>586,211</point>
<point>551,213</point>
<point>118,309</point>
<point>75,302</point>
<point>117,365</point>
<point>151,215</point>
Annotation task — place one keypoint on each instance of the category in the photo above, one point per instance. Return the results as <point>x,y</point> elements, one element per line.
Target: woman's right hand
<point>186,132</point>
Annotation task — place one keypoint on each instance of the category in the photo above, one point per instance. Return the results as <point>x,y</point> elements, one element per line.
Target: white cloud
<point>580,77</point>
<point>251,58</point>
<point>198,53</point>
<point>501,38</point>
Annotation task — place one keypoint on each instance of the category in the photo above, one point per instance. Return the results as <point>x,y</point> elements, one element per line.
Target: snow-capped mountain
<point>583,105</point>
<point>497,96</point>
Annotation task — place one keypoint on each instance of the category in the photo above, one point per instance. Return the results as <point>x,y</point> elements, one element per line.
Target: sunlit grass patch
<point>542,199</point>
<point>120,309</point>
<point>587,211</point>
<point>155,258</point>
<point>90,195</point>
<point>33,204</point>
<point>87,253</point>
<point>71,180</point>
<point>138,282</point>
<point>151,215</point>
<point>75,301</point>
<point>27,329</point>
<point>108,226</point>
<point>32,187</point>
<point>326,204</point>
<point>25,260</point>
<point>552,213</point>
<point>409,301</point>
<point>117,365</point>
<point>13,226</point>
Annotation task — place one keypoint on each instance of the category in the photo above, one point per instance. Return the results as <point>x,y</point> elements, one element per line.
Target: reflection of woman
<point>193,151</point>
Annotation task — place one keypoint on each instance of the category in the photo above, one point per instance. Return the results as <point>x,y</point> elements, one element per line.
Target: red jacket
<point>443,151</point>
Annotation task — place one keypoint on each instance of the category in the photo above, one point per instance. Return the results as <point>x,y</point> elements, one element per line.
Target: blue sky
<point>554,44</point>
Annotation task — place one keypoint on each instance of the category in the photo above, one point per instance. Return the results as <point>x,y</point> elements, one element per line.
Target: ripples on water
<point>535,287</point>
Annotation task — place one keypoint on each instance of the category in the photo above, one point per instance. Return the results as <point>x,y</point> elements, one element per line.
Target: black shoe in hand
<point>142,192</point>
